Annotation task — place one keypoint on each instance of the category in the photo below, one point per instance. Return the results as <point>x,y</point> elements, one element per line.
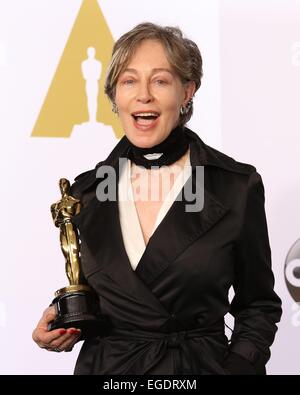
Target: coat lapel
<point>179,229</point>
<point>100,226</point>
<point>100,229</point>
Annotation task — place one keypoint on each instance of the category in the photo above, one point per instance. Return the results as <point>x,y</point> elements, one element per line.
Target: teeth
<point>146,114</point>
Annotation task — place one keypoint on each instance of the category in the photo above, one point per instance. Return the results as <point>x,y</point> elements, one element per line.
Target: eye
<point>160,82</point>
<point>128,82</point>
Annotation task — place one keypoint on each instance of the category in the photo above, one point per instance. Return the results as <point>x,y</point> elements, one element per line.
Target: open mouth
<point>145,118</point>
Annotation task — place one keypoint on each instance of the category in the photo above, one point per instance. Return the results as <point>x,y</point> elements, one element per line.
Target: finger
<point>69,344</point>
<point>49,310</point>
<point>45,338</point>
<point>48,316</point>
<point>74,331</point>
<point>71,336</point>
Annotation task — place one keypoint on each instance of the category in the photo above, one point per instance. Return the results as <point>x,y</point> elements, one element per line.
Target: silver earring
<point>185,110</point>
<point>189,105</point>
<point>114,108</point>
<point>182,110</point>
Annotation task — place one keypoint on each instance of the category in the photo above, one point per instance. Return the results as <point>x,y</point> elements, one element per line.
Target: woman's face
<point>149,95</point>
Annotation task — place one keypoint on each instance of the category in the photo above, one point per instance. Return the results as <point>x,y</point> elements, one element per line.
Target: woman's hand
<point>56,340</point>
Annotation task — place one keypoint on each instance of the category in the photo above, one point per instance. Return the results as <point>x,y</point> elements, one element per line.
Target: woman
<point>162,270</point>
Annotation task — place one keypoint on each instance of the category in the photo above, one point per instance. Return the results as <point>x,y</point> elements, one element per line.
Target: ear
<point>189,91</point>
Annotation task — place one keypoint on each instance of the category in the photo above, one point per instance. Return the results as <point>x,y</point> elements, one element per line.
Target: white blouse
<point>130,225</point>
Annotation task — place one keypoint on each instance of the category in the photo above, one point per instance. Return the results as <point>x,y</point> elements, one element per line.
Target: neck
<point>169,151</point>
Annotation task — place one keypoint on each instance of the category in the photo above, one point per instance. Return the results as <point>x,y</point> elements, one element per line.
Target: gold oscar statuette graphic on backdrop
<point>76,305</point>
<point>65,102</point>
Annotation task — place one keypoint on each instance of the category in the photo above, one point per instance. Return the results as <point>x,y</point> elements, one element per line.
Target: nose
<point>144,95</point>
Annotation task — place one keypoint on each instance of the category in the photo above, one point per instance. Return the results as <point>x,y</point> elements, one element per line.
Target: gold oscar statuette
<point>76,305</point>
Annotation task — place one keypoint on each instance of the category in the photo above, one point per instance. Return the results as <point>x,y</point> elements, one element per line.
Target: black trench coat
<point>167,316</point>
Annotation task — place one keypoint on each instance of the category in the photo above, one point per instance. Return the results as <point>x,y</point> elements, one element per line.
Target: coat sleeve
<point>255,306</point>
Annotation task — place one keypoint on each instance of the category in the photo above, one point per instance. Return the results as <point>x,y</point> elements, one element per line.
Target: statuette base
<point>78,308</point>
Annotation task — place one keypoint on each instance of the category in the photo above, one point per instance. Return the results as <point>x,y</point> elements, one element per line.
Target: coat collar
<point>99,224</point>
<point>202,154</point>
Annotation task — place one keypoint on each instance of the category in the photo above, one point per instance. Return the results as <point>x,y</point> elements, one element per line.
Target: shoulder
<point>209,156</point>
<point>230,164</point>
<point>84,181</point>
<point>239,176</point>
<point>229,180</point>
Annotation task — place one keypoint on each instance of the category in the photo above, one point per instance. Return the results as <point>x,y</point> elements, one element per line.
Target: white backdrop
<point>247,107</point>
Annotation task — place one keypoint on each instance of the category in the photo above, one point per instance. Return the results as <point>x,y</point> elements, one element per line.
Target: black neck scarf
<point>171,149</point>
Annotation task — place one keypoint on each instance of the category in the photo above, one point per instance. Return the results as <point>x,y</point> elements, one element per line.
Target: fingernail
<point>62,331</point>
